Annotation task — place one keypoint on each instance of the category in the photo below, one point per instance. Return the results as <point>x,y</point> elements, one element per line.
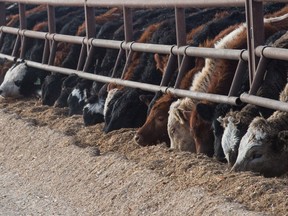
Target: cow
<point>21,81</point>
<point>236,123</point>
<point>264,147</point>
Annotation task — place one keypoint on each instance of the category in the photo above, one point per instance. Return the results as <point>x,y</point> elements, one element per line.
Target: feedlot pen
<point>115,185</point>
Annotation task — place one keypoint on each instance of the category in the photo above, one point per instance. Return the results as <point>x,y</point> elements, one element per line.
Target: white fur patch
<point>109,97</point>
<point>95,107</point>
<point>229,139</point>
<point>222,44</point>
<point>76,93</point>
<point>14,74</point>
<point>275,19</point>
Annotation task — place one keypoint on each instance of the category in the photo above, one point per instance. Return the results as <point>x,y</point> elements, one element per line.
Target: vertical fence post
<point>90,33</point>
<point>128,34</point>
<point>52,29</point>
<point>180,23</point>
<point>128,25</point>
<point>22,26</point>
<point>2,21</point>
<point>2,14</point>
<point>255,33</point>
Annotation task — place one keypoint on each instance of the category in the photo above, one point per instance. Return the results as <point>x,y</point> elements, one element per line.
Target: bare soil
<point>52,165</point>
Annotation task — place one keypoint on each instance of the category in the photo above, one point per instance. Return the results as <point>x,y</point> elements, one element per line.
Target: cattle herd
<point>246,137</point>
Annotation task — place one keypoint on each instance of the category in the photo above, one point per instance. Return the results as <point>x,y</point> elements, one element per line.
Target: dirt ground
<point>52,165</point>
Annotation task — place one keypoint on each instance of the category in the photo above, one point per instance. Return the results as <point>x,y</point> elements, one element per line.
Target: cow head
<point>78,97</point>
<point>19,81</point>
<point>231,138</point>
<point>125,110</point>
<point>51,89</point>
<point>201,129</point>
<point>93,111</point>
<point>67,86</point>
<point>263,149</point>
<point>155,128</point>
<point>213,114</point>
<point>178,129</point>
<point>235,125</point>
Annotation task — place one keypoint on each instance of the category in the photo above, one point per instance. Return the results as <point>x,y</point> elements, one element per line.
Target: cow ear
<point>206,111</point>
<point>111,86</point>
<point>160,65</point>
<point>182,115</point>
<point>146,99</point>
<point>283,138</point>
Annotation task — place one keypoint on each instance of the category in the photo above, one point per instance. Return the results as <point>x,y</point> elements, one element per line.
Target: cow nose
<point>138,139</point>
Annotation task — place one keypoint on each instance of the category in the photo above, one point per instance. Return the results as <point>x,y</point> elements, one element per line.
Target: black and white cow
<point>21,81</point>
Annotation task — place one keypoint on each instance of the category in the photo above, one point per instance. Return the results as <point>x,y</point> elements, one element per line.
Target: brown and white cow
<point>264,147</point>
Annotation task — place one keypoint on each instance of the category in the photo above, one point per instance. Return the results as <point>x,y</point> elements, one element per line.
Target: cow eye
<point>161,118</point>
<point>256,155</point>
<point>17,83</point>
<point>172,130</point>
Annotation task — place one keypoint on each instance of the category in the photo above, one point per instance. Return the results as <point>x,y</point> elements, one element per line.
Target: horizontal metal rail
<point>146,4</point>
<point>264,102</point>
<point>272,52</point>
<point>231,54</point>
<point>137,4</point>
<point>144,86</point>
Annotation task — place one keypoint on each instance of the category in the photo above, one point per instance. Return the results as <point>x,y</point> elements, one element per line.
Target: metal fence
<point>177,53</point>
